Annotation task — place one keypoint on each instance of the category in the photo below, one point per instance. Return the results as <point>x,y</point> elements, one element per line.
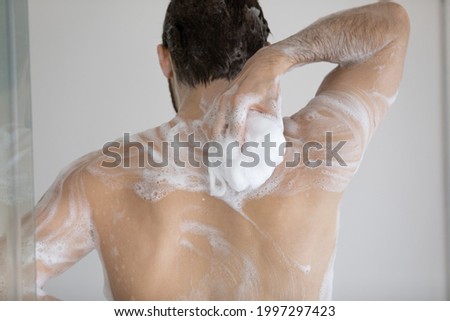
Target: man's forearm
<point>344,38</point>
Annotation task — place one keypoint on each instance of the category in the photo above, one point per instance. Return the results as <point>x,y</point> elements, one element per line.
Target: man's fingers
<point>241,104</point>
<point>216,118</point>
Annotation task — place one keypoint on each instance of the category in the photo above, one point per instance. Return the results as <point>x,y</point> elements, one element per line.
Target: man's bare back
<point>160,233</point>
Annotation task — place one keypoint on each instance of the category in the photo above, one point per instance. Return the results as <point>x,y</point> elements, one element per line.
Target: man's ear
<point>165,62</point>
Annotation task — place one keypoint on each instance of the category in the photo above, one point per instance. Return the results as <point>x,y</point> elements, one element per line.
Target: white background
<point>95,76</point>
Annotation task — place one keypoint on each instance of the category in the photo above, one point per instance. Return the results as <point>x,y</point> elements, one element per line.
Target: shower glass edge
<point>17,249</point>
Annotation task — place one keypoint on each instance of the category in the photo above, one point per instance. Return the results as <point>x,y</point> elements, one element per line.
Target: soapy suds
<point>237,265</point>
<point>214,237</point>
<point>259,23</point>
<point>255,11</point>
<point>225,260</point>
<point>326,290</point>
<point>305,269</point>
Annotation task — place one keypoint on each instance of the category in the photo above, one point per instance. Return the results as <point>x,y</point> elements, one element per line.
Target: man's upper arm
<point>382,69</point>
<point>350,104</point>
<point>63,226</point>
<point>377,76</point>
<point>358,94</point>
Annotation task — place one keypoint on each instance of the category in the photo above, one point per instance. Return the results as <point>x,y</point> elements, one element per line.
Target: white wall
<point>95,75</point>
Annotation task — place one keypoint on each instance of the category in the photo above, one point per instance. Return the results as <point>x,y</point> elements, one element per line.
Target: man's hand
<point>256,88</point>
<point>247,117</point>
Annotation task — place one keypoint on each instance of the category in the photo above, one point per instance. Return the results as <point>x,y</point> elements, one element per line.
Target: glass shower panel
<point>17,267</point>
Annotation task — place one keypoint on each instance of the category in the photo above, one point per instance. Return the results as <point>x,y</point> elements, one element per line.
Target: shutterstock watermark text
<point>193,153</point>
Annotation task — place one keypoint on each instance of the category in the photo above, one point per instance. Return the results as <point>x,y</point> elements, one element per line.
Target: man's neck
<point>193,103</point>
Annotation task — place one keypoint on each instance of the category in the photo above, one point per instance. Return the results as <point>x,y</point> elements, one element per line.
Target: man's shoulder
<point>80,168</point>
<point>89,178</point>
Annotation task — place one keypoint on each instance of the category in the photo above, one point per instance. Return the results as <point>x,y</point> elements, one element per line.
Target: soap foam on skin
<point>226,260</point>
<point>326,291</point>
<point>351,116</point>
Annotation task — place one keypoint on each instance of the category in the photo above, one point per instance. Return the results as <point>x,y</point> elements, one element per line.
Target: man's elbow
<point>400,18</point>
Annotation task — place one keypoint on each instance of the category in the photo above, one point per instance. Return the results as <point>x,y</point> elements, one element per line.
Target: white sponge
<point>252,165</point>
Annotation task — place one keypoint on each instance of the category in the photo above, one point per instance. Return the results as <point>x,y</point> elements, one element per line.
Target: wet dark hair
<point>213,39</point>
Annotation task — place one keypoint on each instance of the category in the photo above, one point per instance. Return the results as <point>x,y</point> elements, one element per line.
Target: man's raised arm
<point>349,37</point>
<point>368,43</point>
